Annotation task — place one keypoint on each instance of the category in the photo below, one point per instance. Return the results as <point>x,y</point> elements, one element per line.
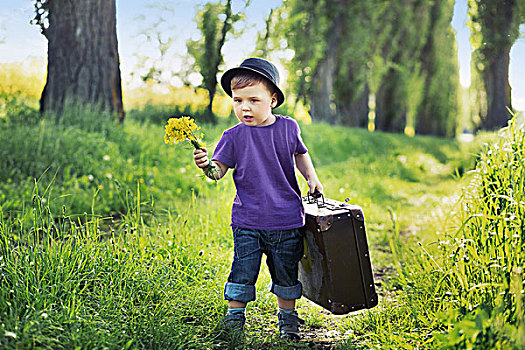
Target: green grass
<point>110,239</point>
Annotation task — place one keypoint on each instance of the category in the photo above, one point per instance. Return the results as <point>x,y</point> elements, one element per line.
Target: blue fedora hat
<point>257,65</point>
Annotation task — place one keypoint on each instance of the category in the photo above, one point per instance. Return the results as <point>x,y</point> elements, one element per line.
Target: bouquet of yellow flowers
<point>183,129</point>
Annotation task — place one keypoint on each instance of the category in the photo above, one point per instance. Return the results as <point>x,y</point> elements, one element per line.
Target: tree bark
<point>210,117</point>
<point>322,89</point>
<point>212,84</point>
<point>323,106</point>
<point>496,79</point>
<point>390,106</point>
<point>438,112</point>
<point>83,61</point>
<point>355,113</point>
<point>495,25</point>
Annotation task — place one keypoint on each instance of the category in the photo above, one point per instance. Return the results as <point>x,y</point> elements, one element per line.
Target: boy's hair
<point>246,78</point>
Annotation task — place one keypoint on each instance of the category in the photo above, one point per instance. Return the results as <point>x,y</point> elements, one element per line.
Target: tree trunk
<point>322,90</point>
<point>390,106</point>
<point>83,61</point>
<point>496,79</point>
<point>438,112</point>
<point>355,113</point>
<point>210,117</point>
<point>322,105</point>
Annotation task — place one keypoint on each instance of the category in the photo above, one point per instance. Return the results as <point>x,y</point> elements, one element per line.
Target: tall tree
<point>302,25</point>
<point>399,95</point>
<point>355,58</point>
<point>379,55</point>
<point>83,61</point>
<point>328,62</point>
<point>438,114</point>
<point>495,27</point>
<point>215,21</point>
<point>356,40</point>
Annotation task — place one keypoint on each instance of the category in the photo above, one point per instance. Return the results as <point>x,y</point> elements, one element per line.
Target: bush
<point>485,257</point>
<point>85,154</point>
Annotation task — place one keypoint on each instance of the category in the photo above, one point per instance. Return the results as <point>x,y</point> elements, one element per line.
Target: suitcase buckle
<point>314,199</point>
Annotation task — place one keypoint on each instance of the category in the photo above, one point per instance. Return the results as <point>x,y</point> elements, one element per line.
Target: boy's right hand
<point>200,156</point>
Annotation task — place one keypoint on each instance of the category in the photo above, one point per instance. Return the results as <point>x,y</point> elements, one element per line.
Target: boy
<point>267,212</point>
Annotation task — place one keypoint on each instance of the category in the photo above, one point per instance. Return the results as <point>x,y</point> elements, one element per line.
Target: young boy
<point>267,211</point>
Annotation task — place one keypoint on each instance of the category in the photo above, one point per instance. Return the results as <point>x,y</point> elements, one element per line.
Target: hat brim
<point>226,80</point>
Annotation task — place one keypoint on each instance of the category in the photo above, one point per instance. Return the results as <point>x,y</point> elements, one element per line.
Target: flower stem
<point>211,168</point>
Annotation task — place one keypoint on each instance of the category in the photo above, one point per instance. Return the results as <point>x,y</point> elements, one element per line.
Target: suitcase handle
<point>314,198</point>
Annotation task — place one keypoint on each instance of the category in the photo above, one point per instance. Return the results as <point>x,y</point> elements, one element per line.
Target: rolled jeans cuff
<point>239,292</point>
<point>293,292</point>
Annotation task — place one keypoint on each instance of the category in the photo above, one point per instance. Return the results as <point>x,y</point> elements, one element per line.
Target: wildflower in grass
<point>183,129</point>
<point>10,334</point>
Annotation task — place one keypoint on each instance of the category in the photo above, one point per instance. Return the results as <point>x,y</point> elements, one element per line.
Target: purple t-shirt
<point>268,195</point>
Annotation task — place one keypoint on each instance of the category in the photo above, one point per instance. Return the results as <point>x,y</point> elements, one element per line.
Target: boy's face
<point>253,105</point>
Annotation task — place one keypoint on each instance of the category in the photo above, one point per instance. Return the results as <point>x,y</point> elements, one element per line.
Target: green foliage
<point>215,21</point>
<point>93,165</point>
<point>399,53</point>
<point>495,28</point>
<point>16,109</point>
<point>77,285</point>
<point>159,114</point>
<point>305,23</point>
<point>465,290</point>
<point>490,245</point>
<point>440,68</point>
<point>399,97</point>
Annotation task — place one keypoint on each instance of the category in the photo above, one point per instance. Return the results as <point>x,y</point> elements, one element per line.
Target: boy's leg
<point>233,304</point>
<point>285,303</point>
<point>247,255</point>
<point>240,288</point>
<point>284,249</point>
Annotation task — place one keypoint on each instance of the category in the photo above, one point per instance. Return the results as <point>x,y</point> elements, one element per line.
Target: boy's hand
<point>315,185</point>
<point>200,156</point>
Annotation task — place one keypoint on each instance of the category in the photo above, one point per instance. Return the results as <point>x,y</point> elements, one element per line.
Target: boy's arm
<point>306,168</point>
<point>200,156</point>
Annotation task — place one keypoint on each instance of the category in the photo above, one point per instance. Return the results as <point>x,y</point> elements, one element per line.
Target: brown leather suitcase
<point>335,271</point>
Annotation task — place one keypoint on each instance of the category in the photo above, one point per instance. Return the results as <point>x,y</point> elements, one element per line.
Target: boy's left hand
<point>314,185</point>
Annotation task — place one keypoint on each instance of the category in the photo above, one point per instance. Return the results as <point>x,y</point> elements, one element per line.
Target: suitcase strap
<point>318,199</point>
<point>314,199</point>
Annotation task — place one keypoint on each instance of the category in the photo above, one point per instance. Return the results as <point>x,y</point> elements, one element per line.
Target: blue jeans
<point>283,249</point>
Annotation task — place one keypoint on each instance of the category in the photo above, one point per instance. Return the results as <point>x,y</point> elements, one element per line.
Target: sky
<point>19,40</point>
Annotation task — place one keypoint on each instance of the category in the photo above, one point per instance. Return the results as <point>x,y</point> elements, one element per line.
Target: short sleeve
<point>224,151</point>
<point>300,146</point>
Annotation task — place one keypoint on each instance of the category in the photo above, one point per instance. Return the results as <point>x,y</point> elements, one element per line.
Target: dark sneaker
<point>234,322</point>
<point>231,330</point>
<point>289,325</point>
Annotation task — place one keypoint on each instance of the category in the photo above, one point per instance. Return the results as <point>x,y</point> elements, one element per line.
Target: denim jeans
<point>283,249</point>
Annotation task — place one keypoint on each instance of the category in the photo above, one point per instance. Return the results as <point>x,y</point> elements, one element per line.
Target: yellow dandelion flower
<point>181,129</point>
<point>184,129</point>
